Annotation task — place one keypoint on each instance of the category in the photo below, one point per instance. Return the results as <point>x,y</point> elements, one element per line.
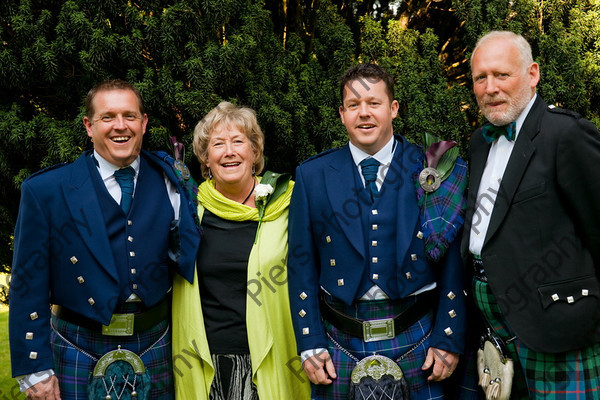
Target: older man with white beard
<point>532,229</point>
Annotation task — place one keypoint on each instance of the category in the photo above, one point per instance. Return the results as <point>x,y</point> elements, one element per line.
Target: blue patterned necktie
<point>369,168</point>
<point>492,132</point>
<point>124,177</point>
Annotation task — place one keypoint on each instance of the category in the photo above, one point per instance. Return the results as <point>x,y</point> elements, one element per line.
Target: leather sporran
<point>378,377</point>
<point>494,367</point>
<point>120,375</point>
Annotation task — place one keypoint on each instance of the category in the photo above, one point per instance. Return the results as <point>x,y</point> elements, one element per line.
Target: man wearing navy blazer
<point>359,280</point>
<point>102,256</point>
<point>532,228</point>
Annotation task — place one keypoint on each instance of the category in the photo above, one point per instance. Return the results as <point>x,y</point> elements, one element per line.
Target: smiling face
<point>117,126</point>
<point>230,159</point>
<point>502,82</point>
<point>367,112</point>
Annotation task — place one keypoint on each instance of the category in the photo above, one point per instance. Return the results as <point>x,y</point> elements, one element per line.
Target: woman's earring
<point>209,174</point>
<point>253,170</point>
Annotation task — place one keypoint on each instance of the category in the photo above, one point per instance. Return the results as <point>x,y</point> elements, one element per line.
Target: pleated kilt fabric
<point>420,388</point>
<point>572,375</point>
<point>74,368</point>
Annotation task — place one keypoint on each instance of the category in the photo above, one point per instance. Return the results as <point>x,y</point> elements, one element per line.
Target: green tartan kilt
<point>561,376</point>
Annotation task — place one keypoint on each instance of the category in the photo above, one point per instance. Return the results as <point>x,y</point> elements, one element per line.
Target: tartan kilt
<point>73,368</point>
<point>550,376</point>
<point>420,388</point>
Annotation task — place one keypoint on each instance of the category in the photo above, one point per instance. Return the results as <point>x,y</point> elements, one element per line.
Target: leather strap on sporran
<point>494,367</point>
<point>120,375</point>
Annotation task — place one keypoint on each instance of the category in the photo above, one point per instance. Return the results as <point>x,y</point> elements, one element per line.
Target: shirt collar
<point>107,169</point>
<point>384,156</point>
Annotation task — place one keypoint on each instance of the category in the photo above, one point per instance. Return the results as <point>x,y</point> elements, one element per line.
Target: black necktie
<point>369,168</point>
<point>124,177</point>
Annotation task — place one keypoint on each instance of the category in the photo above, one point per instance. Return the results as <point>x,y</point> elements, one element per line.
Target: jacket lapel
<point>343,197</point>
<point>517,164</point>
<point>83,205</point>
<point>400,177</point>
<point>189,236</point>
<point>479,150</point>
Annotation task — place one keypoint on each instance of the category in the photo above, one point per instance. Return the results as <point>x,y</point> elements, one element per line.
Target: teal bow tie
<point>492,132</point>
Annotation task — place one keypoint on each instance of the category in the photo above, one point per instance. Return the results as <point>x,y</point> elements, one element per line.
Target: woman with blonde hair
<point>232,329</point>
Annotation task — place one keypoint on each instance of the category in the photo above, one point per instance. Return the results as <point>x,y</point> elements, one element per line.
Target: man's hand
<point>46,390</point>
<point>444,363</point>
<point>319,368</point>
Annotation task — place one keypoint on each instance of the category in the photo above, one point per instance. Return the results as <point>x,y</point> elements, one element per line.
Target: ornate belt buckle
<point>430,179</point>
<point>120,325</point>
<point>378,329</point>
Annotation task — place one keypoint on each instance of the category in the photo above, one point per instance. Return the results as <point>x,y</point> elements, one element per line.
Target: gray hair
<point>519,41</point>
<point>227,114</point>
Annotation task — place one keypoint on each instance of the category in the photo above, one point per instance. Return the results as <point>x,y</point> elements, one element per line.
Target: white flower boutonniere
<point>262,191</point>
<point>261,198</point>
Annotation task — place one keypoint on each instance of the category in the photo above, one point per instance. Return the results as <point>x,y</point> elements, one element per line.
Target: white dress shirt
<point>497,160</point>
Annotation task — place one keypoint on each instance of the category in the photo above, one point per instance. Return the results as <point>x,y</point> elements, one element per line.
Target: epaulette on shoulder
<point>557,110</point>
<point>320,155</point>
<point>50,168</point>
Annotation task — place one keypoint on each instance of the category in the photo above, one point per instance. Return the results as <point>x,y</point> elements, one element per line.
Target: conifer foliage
<point>281,58</point>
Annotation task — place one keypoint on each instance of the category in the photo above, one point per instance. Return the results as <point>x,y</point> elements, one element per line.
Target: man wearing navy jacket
<point>360,282</point>
<point>93,258</point>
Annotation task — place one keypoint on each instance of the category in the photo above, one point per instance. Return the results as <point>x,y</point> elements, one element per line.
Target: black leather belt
<point>141,321</point>
<point>379,329</point>
<point>478,270</point>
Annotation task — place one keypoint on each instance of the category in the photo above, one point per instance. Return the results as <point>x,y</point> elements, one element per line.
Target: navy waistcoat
<point>139,240</point>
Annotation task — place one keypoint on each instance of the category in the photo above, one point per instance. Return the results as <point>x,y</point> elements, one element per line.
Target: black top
<point>222,273</point>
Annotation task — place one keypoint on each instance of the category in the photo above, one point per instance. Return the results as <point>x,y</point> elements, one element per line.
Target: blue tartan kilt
<point>420,388</point>
<point>74,367</point>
